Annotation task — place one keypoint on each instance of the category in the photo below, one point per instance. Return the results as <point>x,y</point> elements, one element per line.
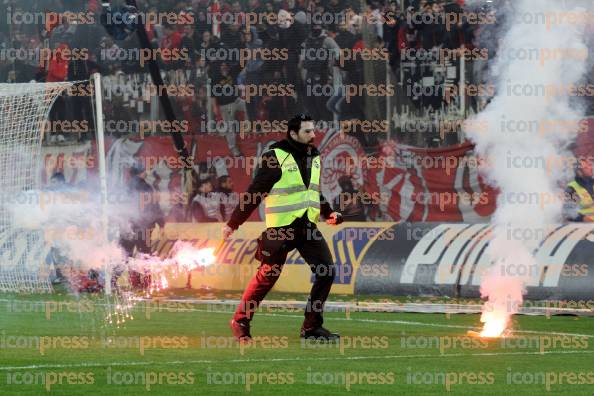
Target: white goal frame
<point>24,112</point>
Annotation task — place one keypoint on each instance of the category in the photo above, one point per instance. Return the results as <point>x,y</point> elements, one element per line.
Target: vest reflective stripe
<point>289,198</point>
<point>586,202</point>
<point>287,208</point>
<point>288,190</point>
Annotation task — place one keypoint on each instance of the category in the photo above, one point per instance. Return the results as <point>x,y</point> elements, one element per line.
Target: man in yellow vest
<point>581,192</point>
<point>288,180</point>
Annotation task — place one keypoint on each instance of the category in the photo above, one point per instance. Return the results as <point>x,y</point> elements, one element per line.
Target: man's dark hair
<point>295,123</point>
<point>203,182</point>
<point>223,179</point>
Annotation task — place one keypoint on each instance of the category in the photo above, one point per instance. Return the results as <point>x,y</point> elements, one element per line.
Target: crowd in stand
<point>206,32</point>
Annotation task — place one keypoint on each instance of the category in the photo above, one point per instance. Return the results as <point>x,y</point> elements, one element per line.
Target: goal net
<point>24,111</point>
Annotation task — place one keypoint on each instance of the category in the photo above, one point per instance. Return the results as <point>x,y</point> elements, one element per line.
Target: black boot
<point>319,334</point>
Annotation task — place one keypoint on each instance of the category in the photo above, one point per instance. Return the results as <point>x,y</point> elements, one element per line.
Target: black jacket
<point>268,173</point>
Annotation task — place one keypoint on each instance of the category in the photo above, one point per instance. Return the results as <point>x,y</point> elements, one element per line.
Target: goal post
<point>100,130</point>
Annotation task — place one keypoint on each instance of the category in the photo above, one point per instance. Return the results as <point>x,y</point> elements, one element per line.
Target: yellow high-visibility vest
<point>289,198</point>
<point>586,202</point>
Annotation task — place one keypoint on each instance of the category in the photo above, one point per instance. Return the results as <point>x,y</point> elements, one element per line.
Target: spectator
<point>231,35</point>
<point>80,106</point>
<point>109,54</point>
<point>348,201</point>
<point>205,207</point>
<point>251,74</point>
<point>147,212</point>
<point>256,7</point>
<point>207,48</point>
<point>407,32</point>
<point>188,45</point>
<point>351,73</point>
<point>228,198</point>
<point>206,41</point>
<point>58,65</point>
<point>202,22</point>
<point>225,90</point>
<point>335,9</point>
<point>393,22</point>
<point>171,40</point>
<point>580,205</point>
<point>374,19</point>
<point>291,37</point>
<point>237,12</point>
<point>318,70</point>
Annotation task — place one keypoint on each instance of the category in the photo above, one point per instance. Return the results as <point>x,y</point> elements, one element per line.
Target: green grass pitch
<point>63,346</point>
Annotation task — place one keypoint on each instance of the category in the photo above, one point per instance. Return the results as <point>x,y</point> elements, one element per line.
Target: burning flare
<point>190,258</point>
<point>495,323</point>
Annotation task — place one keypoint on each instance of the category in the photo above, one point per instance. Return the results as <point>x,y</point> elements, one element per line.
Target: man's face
<point>206,188</point>
<point>306,133</point>
<point>228,184</point>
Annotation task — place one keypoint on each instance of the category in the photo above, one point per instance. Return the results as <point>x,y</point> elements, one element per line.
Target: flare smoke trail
<point>531,122</point>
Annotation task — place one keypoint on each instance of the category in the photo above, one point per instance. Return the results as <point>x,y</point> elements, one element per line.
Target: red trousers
<point>273,248</point>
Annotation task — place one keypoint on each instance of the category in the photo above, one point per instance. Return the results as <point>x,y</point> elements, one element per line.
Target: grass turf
<point>65,347</point>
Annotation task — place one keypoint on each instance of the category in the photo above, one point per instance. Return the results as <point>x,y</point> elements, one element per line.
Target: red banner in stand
<point>401,182</point>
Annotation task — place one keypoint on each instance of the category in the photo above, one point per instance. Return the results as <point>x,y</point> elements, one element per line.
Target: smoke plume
<point>531,122</point>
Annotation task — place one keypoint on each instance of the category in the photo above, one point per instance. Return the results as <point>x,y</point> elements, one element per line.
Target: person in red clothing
<point>172,40</point>
<point>57,70</point>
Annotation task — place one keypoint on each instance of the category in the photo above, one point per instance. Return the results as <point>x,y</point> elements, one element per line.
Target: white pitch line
<point>385,321</point>
<point>404,322</point>
<point>294,359</point>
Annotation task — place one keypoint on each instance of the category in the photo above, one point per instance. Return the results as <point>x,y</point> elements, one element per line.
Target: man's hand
<point>335,218</point>
<point>227,231</point>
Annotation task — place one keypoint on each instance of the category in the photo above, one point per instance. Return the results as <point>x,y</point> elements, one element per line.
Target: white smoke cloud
<point>71,222</point>
<point>531,122</point>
